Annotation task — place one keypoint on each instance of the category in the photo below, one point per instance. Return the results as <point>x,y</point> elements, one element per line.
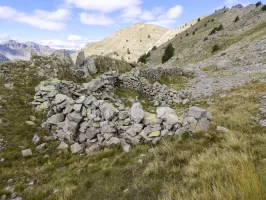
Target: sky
<point>70,24</point>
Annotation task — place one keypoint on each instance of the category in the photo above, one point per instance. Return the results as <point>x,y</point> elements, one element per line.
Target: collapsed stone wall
<point>159,94</point>
<point>157,73</point>
<point>90,115</point>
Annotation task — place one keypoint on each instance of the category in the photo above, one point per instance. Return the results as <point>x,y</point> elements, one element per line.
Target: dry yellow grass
<point>216,165</point>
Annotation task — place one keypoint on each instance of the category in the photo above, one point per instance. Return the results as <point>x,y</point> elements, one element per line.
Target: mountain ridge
<point>122,44</point>
<point>14,50</point>
<point>127,43</point>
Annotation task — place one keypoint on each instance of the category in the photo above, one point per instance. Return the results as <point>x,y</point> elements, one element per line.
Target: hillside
<point>131,42</point>
<point>170,34</point>
<point>191,48</point>
<point>192,128</point>
<point>128,43</point>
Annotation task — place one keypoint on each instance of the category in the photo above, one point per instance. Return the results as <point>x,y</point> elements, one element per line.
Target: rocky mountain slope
<point>15,50</point>
<point>3,58</point>
<point>128,43</point>
<point>196,43</point>
<point>131,42</point>
<point>174,32</point>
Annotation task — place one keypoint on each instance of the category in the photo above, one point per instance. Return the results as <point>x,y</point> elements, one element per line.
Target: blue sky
<point>73,23</point>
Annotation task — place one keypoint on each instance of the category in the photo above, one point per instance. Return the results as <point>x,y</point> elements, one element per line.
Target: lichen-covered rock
<point>137,113</point>
<point>75,148</point>
<point>26,153</point>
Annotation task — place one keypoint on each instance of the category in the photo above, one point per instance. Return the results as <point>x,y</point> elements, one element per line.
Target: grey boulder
<point>137,113</point>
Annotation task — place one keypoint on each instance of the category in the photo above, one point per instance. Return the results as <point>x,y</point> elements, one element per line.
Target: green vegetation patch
<point>168,53</point>
<point>176,82</point>
<point>132,94</point>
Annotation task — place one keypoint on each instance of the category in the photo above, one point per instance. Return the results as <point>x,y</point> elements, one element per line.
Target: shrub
<point>219,28</point>
<point>168,53</point>
<point>128,52</point>
<point>149,36</point>
<point>212,20</point>
<point>205,25</point>
<point>187,34</point>
<point>205,39</point>
<point>154,48</point>
<point>215,48</point>
<point>198,19</point>
<point>258,4</point>
<point>263,8</point>
<point>143,58</point>
<point>193,33</point>
<point>236,19</point>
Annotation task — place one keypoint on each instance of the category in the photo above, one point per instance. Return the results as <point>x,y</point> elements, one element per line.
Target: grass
<point>176,82</point>
<point>126,94</point>
<point>210,68</point>
<point>208,165</point>
<point>105,63</point>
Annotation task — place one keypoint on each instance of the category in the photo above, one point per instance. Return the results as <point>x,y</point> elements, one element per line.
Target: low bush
<point>236,19</point>
<point>258,4</point>
<point>215,48</point>
<point>263,8</point>
<point>143,58</point>
<point>168,53</point>
<point>219,28</point>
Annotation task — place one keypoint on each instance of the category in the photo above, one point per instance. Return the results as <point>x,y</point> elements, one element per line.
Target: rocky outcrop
<point>63,56</point>
<point>91,115</point>
<point>84,66</point>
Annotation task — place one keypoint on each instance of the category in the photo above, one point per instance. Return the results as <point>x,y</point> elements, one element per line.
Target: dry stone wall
<point>90,116</point>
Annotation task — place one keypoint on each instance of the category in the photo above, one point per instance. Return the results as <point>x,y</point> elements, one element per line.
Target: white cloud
<point>166,19</point>
<point>41,23</point>
<point>174,12</point>
<point>39,19</point>
<point>104,5</point>
<point>58,15</point>
<point>95,19</point>
<point>60,44</point>
<point>73,42</point>
<point>4,36</point>
<point>147,16</point>
<point>75,38</point>
<point>130,14</point>
<point>7,12</point>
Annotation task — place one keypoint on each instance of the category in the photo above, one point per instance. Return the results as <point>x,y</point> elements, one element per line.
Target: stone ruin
<point>91,116</point>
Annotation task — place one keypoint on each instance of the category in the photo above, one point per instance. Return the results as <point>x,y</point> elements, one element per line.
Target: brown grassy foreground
<point>211,165</point>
